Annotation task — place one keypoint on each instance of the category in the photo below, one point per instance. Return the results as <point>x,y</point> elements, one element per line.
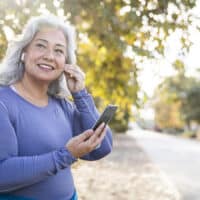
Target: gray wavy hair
<point>12,68</point>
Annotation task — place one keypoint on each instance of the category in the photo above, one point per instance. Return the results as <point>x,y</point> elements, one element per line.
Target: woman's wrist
<point>79,94</point>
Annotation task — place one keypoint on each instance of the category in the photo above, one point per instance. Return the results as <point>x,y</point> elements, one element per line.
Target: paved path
<point>179,158</point>
<point>126,174</point>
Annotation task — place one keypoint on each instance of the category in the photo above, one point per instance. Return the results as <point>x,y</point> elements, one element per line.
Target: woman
<point>41,133</point>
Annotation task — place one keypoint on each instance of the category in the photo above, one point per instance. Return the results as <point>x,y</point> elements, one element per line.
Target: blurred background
<point>139,54</point>
<point>142,55</point>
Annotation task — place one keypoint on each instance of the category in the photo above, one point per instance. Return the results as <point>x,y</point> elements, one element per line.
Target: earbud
<point>22,57</point>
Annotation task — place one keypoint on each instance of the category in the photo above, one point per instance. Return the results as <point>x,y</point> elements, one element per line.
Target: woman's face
<point>45,56</point>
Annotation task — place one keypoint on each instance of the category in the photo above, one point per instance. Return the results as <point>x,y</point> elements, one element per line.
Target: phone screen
<point>106,116</point>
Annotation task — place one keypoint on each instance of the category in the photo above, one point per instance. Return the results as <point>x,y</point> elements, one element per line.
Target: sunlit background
<point>133,47</point>
<point>142,55</point>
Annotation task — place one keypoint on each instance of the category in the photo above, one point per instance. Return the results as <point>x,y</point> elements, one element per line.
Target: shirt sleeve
<point>17,172</point>
<point>85,115</point>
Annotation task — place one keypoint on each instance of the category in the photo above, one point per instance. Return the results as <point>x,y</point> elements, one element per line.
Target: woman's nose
<point>49,55</point>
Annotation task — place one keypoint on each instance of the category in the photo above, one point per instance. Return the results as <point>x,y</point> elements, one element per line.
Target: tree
<point>108,29</point>
<point>112,36</point>
<point>177,102</point>
<point>167,106</point>
<point>191,104</point>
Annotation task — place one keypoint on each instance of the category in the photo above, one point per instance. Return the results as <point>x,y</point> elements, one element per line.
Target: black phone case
<point>106,116</point>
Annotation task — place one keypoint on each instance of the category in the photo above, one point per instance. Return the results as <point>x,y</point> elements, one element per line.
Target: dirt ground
<point>126,174</point>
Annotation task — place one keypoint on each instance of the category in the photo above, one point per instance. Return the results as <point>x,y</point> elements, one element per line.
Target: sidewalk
<point>126,174</point>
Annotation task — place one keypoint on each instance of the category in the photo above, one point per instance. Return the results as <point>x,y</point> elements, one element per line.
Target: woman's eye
<point>40,45</point>
<point>59,51</point>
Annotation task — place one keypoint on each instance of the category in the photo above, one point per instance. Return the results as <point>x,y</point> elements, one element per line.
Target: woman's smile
<point>46,67</point>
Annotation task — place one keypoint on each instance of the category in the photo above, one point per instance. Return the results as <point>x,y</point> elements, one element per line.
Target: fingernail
<point>103,124</point>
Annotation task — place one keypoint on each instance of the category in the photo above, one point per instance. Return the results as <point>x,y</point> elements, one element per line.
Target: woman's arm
<point>85,115</point>
<point>17,172</point>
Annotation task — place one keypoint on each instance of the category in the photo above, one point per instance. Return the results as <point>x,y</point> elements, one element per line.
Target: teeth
<point>46,67</point>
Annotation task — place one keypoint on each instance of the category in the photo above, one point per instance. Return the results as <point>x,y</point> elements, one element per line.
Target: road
<point>125,174</point>
<point>178,158</point>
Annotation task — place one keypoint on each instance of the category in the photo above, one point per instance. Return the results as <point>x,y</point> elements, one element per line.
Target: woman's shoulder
<point>3,88</point>
<point>5,92</point>
<point>7,99</point>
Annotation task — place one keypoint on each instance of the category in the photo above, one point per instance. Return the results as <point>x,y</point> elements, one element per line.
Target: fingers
<point>85,135</point>
<point>87,141</point>
<point>102,134</point>
<point>77,145</point>
<point>74,71</point>
<point>75,78</point>
<point>98,135</point>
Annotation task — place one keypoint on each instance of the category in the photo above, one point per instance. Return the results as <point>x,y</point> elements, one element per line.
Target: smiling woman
<point>42,132</point>
<point>13,68</point>
<point>44,58</point>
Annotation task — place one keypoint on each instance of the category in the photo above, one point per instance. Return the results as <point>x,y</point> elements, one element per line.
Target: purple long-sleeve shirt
<point>34,162</point>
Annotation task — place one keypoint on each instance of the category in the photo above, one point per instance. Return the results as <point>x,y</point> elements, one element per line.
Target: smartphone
<point>106,116</point>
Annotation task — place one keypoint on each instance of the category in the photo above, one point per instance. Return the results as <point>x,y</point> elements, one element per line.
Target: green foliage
<point>177,102</point>
<point>106,29</point>
<point>109,32</point>
<point>191,103</point>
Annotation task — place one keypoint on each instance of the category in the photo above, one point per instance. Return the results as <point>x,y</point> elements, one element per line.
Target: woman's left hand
<point>75,77</point>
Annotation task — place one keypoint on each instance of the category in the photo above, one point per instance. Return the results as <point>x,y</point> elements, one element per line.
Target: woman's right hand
<point>86,141</point>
